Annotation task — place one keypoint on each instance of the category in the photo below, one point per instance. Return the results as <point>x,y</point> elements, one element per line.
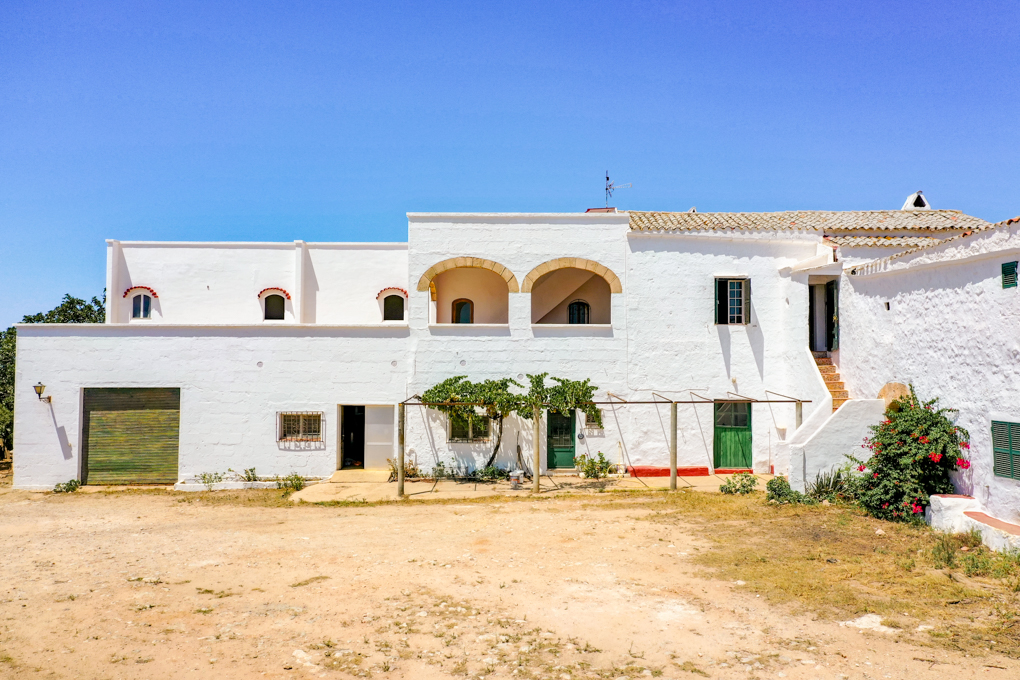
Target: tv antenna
<point>613,186</point>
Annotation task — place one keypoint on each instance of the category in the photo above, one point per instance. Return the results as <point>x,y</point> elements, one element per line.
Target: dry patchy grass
<point>829,560</point>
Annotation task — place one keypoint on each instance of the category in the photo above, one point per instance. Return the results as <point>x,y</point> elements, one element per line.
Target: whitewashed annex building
<point>292,357</point>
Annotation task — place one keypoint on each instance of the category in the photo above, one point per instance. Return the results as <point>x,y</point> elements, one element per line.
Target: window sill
<point>582,330</point>
<point>470,329</point>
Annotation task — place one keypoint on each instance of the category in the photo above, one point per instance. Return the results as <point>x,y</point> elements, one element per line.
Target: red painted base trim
<point>651,471</point>
<point>1009,528</point>
<point>731,471</point>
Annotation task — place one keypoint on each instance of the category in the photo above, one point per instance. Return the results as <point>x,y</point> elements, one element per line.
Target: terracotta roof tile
<point>830,222</point>
<point>883,241</point>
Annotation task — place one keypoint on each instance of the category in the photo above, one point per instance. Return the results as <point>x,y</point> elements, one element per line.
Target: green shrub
<point>210,478</point>
<point>492,473</point>
<point>594,467</point>
<point>292,482</point>
<point>912,453</point>
<point>740,483</point>
<point>778,490</point>
<point>69,486</point>
<point>835,485</point>
<point>411,470</point>
<point>250,476</point>
<point>439,471</point>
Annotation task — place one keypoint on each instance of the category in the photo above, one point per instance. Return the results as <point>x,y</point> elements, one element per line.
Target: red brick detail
<point>151,291</point>
<point>651,471</point>
<point>394,288</point>
<point>1013,529</point>
<point>266,290</point>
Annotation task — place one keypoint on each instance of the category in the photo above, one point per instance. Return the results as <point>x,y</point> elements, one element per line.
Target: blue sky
<point>327,121</point>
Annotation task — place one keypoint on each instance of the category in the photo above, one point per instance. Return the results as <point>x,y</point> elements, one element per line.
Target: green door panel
<point>732,441</point>
<point>560,440</point>
<point>130,435</point>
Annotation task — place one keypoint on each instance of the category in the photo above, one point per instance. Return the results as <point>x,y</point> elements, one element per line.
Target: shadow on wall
<point>65,444</point>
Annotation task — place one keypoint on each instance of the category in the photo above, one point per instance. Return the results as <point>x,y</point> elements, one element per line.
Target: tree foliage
<point>495,399</point>
<point>70,310</point>
<point>912,453</point>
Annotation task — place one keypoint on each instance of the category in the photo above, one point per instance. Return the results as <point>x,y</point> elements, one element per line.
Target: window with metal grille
<point>473,429</point>
<point>732,301</point>
<point>1009,274</point>
<point>578,311</point>
<point>300,426</point>
<point>1006,449</point>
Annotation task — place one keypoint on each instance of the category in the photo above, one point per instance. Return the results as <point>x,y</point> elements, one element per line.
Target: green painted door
<point>560,440</point>
<point>130,435</point>
<point>732,441</point>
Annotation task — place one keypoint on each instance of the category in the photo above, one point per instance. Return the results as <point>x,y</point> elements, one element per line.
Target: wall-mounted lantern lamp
<point>39,387</point>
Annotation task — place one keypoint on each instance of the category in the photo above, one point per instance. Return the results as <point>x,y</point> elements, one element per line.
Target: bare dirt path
<point>153,585</point>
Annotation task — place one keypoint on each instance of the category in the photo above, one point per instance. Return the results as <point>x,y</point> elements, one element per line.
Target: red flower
<point>964,445</point>
<point>923,440</point>
<point>885,505</point>
<point>917,508</point>
<point>862,468</point>
<point>935,457</point>
<point>963,464</point>
<point>876,475</point>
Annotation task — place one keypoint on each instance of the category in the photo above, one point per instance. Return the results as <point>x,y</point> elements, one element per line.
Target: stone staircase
<point>828,370</point>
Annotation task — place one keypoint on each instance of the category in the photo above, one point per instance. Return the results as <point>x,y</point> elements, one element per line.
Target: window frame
<point>453,310</point>
<point>587,312</point>
<point>303,433</point>
<point>723,302</point>
<point>265,307</point>
<point>471,438</point>
<point>144,306</point>
<point>1011,451</point>
<point>403,307</point>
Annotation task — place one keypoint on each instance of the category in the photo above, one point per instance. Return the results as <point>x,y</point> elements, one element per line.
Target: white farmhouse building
<point>292,357</point>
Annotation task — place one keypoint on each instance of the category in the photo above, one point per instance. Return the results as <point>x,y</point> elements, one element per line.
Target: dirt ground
<point>171,585</point>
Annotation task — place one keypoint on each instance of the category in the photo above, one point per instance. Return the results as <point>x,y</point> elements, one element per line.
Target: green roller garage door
<point>130,435</point>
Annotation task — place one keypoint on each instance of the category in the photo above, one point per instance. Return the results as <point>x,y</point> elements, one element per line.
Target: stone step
<point>839,394</point>
<point>826,370</point>
<point>819,355</point>
<point>830,377</point>
<point>836,403</point>
<point>835,386</point>
<point>823,361</point>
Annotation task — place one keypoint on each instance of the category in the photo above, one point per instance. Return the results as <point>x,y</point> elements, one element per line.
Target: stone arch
<point>477,262</point>
<point>576,263</point>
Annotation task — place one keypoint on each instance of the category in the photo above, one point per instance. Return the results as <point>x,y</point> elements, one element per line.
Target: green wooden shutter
<point>747,301</point>
<point>1009,274</point>
<point>1005,453</point>
<point>130,435</point>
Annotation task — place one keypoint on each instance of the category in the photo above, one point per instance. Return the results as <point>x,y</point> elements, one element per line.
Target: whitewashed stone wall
<point>953,332</point>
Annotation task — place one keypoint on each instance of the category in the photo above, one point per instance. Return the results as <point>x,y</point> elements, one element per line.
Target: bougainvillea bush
<point>912,453</point>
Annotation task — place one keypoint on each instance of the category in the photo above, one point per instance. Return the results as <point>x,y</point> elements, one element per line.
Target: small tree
<point>912,453</point>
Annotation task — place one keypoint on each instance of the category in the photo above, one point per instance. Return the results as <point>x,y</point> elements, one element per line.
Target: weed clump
<point>741,483</point>
<point>69,486</point>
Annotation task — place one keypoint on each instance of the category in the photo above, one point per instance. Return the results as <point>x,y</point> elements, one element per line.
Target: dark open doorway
<point>823,316</point>
<point>352,437</point>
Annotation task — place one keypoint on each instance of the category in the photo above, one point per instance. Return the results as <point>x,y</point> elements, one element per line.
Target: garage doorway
<point>366,436</point>
<point>130,435</point>
<point>352,438</point>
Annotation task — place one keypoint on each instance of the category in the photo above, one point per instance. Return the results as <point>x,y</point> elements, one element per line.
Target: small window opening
<point>468,429</point>
<point>274,307</point>
<point>141,307</point>
<point>393,308</point>
<point>1009,274</point>
<point>732,301</point>
<point>463,311</point>
<point>302,427</point>
<point>887,306</point>
<point>579,311</point>
<point>919,202</point>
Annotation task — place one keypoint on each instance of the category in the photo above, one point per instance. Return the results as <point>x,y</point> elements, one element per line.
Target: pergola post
<point>400,450</point>
<point>672,446</point>
<point>800,414</point>
<point>536,464</point>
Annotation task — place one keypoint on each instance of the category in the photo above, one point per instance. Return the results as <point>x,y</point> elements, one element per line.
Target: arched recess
<point>572,263</point>
<point>477,262</point>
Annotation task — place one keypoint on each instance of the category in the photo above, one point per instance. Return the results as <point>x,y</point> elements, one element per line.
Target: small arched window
<point>463,311</point>
<point>274,307</point>
<point>141,307</point>
<point>579,311</point>
<point>393,308</point>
